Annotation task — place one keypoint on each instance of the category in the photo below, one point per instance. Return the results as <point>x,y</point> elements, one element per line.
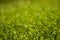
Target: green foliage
<point>28,22</point>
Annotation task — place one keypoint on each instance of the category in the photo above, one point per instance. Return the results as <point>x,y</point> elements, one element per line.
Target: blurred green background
<point>29,19</point>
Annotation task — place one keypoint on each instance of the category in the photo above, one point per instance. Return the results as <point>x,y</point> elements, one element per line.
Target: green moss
<point>28,22</point>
